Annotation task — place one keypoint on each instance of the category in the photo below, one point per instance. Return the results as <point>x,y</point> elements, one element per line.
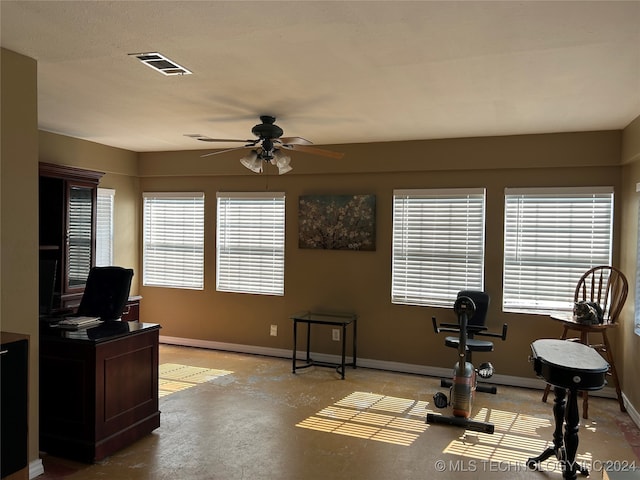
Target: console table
<point>98,388</point>
<point>342,320</point>
<point>569,367</point>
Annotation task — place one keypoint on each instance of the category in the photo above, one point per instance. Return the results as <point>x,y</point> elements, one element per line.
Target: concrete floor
<point>234,416</point>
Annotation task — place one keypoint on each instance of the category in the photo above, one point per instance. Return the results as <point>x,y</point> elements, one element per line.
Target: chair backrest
<point>606,286</point>
<point>106,292</point>
<point>481,300</point>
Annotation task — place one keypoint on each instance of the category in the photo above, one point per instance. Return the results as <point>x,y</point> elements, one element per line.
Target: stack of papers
<point>78,322</point>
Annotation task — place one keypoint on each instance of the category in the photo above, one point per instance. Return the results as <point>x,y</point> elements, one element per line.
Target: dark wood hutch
<point>67,229</point>
<point>68,197</point>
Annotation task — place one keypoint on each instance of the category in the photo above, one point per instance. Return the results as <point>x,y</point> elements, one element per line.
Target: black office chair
<point>475,327</point>
<point>106,292</point>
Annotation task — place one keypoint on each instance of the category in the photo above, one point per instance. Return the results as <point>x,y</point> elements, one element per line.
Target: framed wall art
<point>337,222</point>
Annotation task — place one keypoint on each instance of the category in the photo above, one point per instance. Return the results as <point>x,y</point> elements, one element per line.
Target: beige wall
<point>360,281</point>
<point>19,213</point>
<point>630,341</point>
<point>127,224</point>
<point>74,152</point>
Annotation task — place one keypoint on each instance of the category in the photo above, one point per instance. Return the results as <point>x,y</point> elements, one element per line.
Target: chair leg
<point>614,372</point>
<point>585,404</point>
<point>584,339</point>
<point>547,389</point>
<point>546,393</point>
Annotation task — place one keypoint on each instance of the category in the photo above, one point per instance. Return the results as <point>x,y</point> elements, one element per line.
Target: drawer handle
<point>2,352</point>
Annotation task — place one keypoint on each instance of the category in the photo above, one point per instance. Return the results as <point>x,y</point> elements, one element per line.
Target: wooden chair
<point>608,287</point>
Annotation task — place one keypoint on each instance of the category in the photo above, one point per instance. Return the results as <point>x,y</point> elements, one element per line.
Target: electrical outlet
<point>274,330</point>
<point>335,334</point>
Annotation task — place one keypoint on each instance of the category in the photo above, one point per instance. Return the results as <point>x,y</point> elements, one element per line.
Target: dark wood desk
<point>569,367</point>
<point>341,320</point>
<point>98,388</point>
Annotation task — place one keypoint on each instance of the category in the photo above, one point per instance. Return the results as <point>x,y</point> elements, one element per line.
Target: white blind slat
<point>438,245</point>
<point>250,242</point>
<point>79,235</point>
<point>104,227</point>
<point>551,237</point>
<point>173,231</point>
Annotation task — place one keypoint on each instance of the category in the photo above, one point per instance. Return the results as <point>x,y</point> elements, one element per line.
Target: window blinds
<point>79,223</point>
<point>104,227</point>
<point>173,251</point>
<point>250,242</point>
<point>438,245</point>
<point>551,237</point>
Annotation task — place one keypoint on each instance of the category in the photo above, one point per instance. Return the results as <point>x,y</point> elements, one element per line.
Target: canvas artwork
<point>337,222</point>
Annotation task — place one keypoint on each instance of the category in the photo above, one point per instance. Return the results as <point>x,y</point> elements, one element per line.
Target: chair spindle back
<point>606,286</point>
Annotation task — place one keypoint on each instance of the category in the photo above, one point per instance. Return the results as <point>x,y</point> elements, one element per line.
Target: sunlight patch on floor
<point>372,416</point>
<point>174,377</point>
<point>516,439</point>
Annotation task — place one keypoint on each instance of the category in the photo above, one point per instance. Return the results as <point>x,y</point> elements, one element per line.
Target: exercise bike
<point>464,384</point>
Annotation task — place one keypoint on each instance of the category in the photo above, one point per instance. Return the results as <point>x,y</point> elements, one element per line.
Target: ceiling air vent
<point>160,63</point>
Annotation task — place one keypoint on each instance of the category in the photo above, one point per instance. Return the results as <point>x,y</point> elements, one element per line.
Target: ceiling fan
<point>268,146</point>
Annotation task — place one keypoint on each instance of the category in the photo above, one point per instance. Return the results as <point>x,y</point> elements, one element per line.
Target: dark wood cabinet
<point>67,218</point>
<point>98,388</point>
<point>14,404</point>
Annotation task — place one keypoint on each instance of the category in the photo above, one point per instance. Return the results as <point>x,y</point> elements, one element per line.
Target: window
<point>551,237</point>
<point>250,243</point>
<point>438,245</point>
<point>173,232</point>
<point>104,227</point>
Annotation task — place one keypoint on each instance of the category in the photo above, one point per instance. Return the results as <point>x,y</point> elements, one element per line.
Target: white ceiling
<point>331,71</point>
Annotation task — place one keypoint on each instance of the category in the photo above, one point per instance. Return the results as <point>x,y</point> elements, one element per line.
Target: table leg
<point>355,335</point>
<point>559,404</point>
<point>308,342</point>
<point>344,343</point>
<point>295,338</point>
<point>572,425</point>
<point>559,407</point>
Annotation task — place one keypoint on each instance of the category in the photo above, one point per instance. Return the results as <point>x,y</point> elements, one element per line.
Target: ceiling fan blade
<point>295,141</point>
<point>207,139</point>
<point>227,150</point>
<point>314,151</point>
<point>204,138</point>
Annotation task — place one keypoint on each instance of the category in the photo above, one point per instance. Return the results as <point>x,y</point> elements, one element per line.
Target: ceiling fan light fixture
<point>285,169</point>
<point>282,161</point>
<point>252,162</point>
<point>269,146</point>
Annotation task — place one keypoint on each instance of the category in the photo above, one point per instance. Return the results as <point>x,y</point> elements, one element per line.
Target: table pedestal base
<point>565,411</point>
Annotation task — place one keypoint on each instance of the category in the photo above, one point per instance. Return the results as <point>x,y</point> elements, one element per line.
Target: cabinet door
<point>13,406</point>
<point>80,235</point>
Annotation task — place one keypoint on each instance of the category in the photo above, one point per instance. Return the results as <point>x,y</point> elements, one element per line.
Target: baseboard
<point>633,413</point>
<point>36,468</point>
<point>497,379</point>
